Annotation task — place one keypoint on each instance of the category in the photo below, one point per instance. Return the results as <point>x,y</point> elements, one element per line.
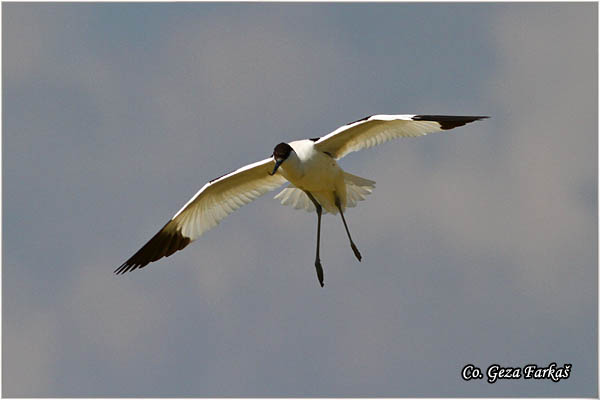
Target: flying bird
<point>316,182</point>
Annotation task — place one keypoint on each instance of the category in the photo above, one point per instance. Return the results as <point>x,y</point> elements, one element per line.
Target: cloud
<point>30,341</point>
<point>479,244</point>
<point>511,186</point>
<point>27,39</point>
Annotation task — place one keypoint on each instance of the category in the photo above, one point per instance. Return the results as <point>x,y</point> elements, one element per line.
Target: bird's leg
<point>354,248</point>
<point>318,265</point>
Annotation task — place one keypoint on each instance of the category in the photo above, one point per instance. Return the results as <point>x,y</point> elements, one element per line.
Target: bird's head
<point>280,153</point>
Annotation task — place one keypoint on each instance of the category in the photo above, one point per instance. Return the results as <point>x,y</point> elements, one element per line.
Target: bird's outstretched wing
<point>216,200</point>
<point>378,129</point>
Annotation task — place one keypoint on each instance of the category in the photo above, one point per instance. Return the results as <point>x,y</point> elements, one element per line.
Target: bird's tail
<point>292,196</point>
<point>357,189</point>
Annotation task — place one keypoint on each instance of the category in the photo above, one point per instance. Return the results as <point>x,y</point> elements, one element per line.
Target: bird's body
<point>317,182</point>
<point>314,171</point>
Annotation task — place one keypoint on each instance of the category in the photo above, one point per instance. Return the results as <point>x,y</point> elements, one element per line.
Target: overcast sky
<point>479,245</point>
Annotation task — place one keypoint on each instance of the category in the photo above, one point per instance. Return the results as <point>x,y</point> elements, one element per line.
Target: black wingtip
<point>449,121</point>
<point>125,267</point>
<point>166,242</point>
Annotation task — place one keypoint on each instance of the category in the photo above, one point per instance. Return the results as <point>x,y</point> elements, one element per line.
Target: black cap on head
<point>282,151</point>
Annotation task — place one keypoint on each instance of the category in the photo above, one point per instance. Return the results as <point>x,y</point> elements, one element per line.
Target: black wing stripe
<point>359,120</point>
<point>448,121</point>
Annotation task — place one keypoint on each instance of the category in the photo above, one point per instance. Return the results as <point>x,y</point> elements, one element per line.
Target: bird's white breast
<point>310,169</point>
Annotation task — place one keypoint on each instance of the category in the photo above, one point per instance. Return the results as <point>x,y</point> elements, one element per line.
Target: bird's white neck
<point>292,169</point>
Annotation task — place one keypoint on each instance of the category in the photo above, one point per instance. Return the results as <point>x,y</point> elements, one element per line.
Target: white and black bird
<point>316,182</point>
